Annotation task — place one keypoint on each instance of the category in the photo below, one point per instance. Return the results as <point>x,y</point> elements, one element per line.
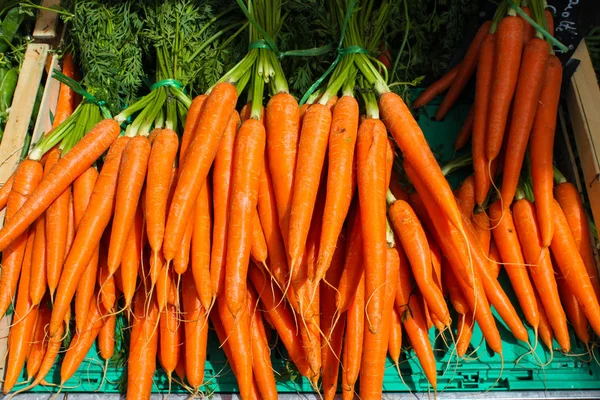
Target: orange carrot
<point>342,140</point>
<point>21,332</point>
<point>191,124</point>
<point>132,174</point>
<point>410,139</point>
<point>505,237</point>
<point>258,252</point>
<point>82,342</point>
<point>454,291</point>
<point>353,343</point>
<point>182,256</point>
<point>39,343</point>
<point>158,182</point>
<point>483,92</point>
<point>464,333</point>
<point>312,148</point>
<point>201,246</point>
<point>283,130</point>
<point>509,44</point>
<point>541,270</point>
<point>465,195</point>
<point>262,368</point>
<point>481,225</point>
<point>82,191</point>
<point>542,145</point>
<point>375,345</point>
<point>331,341</point>
<point>436,88</point>
<point>465,131</point>
<point>494,261</point>
<point>395,339</point>
<point>130,262</point>
<point>247,157</point>
<point>37,283</point>
<point>412,317</point>
<point>569,199</point>
<point>170,339</point>
<point>196,332</point>
<point>467,67</point>
<point>106,337</point>
<point>528,29</point>
<point>66,96</point>
<point>269,221</point>
<point>66,170</point>
<point>532,76</point>
<point>222,171</point>
<point>354,263</point>
<point>143,347</point>
<point>198,159</point>
<point>572,267</point>
<point>5,191</point>
<point>573,310</point>
<point>371,145</point>
<point>414,242</point>
<point>237,330</point>
<point>106,282</point>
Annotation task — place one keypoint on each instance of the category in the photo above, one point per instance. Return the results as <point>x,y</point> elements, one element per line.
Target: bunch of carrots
<point>523,212</point>
<point>294,218</point>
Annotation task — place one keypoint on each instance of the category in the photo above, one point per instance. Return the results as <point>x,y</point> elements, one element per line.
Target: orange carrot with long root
<point>143,347</point>
<point>221,174</point>
<point>414,242</point>
<point>505,237</point>
<point>532,74</point>
<point>21,332</point>
<point>509,44</point>
<point>573,269</point>
<point>342,141</point>
<point>371,148</point>
<point>282,124</point>
<point>248,155</point>
<point>199,157</point>
<point>541,144</point>
<point>541,270</point>
<point>158,182</point>
<point>375,345</point>
<point>312,148</point>
<point>569,199</point>
<point>413,319</point>
<point>483,92</point>
<point>200,254</point>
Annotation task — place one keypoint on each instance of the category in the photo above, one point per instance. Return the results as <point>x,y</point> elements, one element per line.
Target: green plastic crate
<point>485,370</point>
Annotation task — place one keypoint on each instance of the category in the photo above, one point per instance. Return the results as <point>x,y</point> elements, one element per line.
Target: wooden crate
<point>583,102</point>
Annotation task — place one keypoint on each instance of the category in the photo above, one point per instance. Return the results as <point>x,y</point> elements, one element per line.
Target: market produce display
<point>161,209</point>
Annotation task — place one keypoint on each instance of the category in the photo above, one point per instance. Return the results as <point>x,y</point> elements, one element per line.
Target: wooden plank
<point>583,101</point>
<point>43,122</point>
<point>46,24</point>
<point>14,135</point>
<point>21,108</point>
